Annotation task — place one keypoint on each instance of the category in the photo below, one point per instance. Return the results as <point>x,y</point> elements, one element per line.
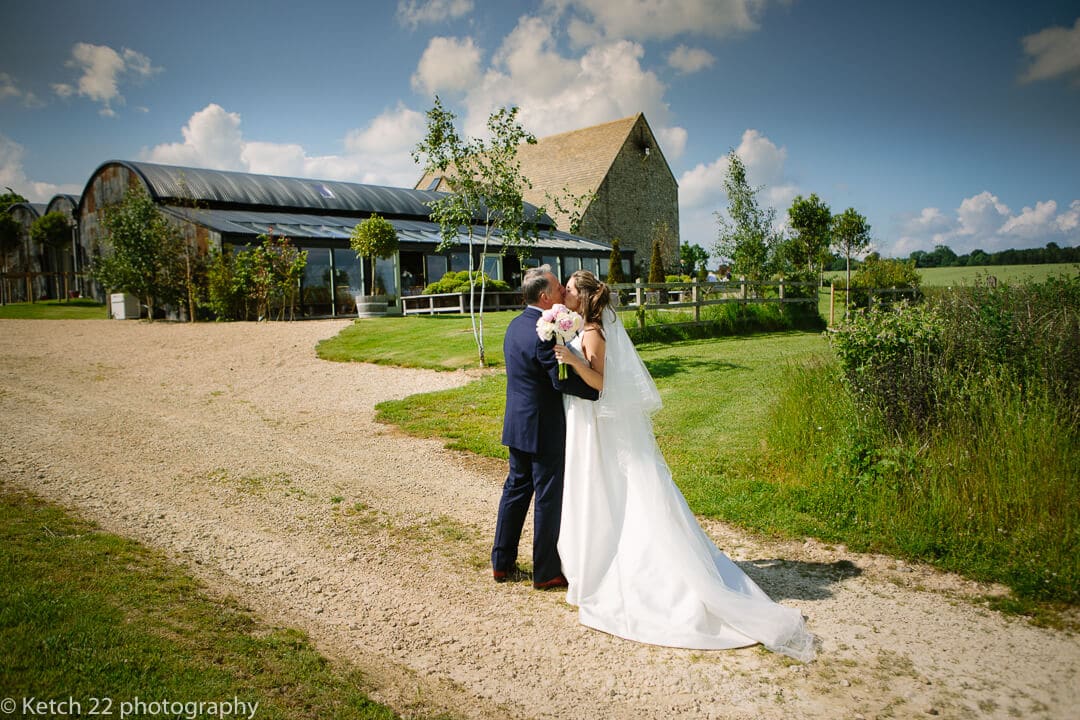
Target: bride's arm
<point>591,369</point>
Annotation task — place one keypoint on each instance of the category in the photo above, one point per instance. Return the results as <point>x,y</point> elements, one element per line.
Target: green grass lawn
<point>716,395</point>
<point>85,614</point>
<point>947,276</point>
<point>78,309</point>
<point>435,342</point>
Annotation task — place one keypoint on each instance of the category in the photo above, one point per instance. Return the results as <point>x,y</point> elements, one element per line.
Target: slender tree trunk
<point>847,289</point>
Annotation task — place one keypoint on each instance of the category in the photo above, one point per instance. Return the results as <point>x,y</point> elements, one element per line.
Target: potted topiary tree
<point>373,238</point>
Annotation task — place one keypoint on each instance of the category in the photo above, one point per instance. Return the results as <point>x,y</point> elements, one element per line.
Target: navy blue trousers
<point>538,478</point>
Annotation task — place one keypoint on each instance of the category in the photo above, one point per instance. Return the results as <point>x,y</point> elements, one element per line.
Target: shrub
<point>1026,334</point>
<point>876,273</point>
<point>889,359</point>
<point>454,282</point>
<point>911,361</point>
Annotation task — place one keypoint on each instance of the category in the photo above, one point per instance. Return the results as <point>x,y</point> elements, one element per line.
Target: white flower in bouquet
<point>561,323</point>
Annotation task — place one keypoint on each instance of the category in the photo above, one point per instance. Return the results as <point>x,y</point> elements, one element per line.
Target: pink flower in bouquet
<point>561,323</point>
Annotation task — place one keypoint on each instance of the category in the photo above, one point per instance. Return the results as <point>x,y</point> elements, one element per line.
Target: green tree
<point>10,198</point>
<point>693,259</point>
<point>53,231</point>
<point>486,189</point>
<point>374,238</point>
<point>657,273</point>
<point>850,236</point>
<point>747,237</point>
<point>615,273</point>
<point>810,221</point>
<point>276,268</point>
<point>10,240</point>
<point>10,233</point>
<point>143,252</point>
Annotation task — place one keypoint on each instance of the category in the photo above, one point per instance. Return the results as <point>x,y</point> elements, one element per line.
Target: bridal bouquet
<point>561,323</point>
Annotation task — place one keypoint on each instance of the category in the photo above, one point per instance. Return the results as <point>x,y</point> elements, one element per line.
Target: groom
<point>534,431</point>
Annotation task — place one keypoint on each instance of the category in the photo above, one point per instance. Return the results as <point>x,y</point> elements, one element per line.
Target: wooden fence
<point>695,295</point>
<point>881,297</point>
<point>458,302</point>
<point>34,286</point>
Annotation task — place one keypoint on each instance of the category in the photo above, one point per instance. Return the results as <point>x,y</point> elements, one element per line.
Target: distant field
<point>943,277</point>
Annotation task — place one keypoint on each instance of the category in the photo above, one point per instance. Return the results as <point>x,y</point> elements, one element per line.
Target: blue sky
<point>943,122</point>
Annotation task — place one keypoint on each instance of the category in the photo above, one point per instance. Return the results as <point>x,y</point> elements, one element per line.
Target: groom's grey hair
<point>534,283</point>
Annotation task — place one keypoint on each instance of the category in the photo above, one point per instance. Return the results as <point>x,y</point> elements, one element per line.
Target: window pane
<point>386,274</point>
<point>459,261</point>
<point>347,281</point>
<point>570,266</point>
<point>552,262</point>
<point>592,265</point>
<point>436,267</point>
<point>493,267</point>
<point>315,285</point>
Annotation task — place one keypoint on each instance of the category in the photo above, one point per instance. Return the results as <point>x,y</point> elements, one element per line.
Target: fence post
<point>781,295</point>
<point>695,297</point>
<point>639,293</point>
<point>742,282</point>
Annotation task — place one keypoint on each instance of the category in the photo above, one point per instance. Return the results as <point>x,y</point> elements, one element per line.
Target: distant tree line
<point>942,256</point>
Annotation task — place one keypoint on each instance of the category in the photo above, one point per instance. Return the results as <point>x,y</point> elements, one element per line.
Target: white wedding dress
<point>638,564</point>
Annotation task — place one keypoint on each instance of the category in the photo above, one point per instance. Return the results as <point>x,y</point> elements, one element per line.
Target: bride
<point>638,564</point>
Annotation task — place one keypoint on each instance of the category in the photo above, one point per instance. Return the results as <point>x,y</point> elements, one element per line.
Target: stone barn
<point>621,166</point>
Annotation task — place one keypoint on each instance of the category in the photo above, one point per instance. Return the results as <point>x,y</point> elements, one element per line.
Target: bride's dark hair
<point>595,296</point>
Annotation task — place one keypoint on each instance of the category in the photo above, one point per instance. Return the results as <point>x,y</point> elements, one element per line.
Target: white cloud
<point>9,88</point>
<point>701,189</point>
<point>411,13</point>
<point>655,19</point>
<point>377,154</point>
<point>212,139</point>
<point>690,60</point>
<point>556,93</point>
<point>447,65</point>
<point>984,222</point>
<point>1053,52</point>
<point>672,141</point>
<point>102,69</point>
<point>1068,222</point>
<point>13,175</point>
<point>1032,222</point>
<point>981,214</point>
<point>382,148</point>
<point>703,185</point>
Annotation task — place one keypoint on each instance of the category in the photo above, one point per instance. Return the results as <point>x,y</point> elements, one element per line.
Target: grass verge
<point>85,614</point>
<point>77,309</point>
<point>435,342</point>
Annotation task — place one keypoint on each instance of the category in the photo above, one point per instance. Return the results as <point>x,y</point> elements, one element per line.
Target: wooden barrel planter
<point>371,305</point>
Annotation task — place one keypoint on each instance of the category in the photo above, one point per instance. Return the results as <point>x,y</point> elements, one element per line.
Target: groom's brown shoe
<point>512,575</point>
<point>553,584</point>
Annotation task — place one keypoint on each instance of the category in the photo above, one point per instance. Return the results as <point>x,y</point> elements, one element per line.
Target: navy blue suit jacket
<point>534,421</point>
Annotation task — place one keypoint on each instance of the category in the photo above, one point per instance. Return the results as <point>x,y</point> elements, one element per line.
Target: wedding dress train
<point>638,563</point>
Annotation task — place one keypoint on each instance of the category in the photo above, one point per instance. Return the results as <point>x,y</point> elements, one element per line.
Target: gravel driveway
<point>258,467</point>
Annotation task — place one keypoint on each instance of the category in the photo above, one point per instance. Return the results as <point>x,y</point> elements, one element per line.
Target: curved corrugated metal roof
<point>35,209</point>
<point>170,184</point>
<point>57,200</point>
